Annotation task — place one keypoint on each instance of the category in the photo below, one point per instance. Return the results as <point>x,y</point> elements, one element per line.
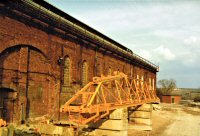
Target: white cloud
<point>190,40</point>
<point>143,26</point>
<point>159,54</point>
<point>145,54</point>
<point>190,57</point>
<point>165,53</point>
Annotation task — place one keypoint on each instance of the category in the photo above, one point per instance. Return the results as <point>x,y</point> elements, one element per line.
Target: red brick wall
<point>168,99</point>
<point>177,99</point>
<point>29,65</point>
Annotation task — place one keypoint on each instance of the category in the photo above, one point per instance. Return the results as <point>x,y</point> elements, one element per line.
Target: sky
<point>165,32</point>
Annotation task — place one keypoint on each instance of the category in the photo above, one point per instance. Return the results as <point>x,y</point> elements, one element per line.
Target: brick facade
<point>32,66</point>
<point>170,99</point>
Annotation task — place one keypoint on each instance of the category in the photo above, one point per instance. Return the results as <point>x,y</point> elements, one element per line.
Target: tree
<point>166,86</point>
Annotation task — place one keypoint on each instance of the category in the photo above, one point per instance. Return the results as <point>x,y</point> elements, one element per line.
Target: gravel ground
<point>173,120</point>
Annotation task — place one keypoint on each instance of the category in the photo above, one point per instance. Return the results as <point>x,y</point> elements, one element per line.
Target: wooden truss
<point>104,94</point>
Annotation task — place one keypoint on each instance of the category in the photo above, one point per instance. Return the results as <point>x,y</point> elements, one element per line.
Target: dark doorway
<point>19,64</point>
<point>1,107</point>
<point>172,99</point>
<point>7,97</point>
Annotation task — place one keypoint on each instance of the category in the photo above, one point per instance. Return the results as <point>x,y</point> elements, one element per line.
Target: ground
<point>173,120</point>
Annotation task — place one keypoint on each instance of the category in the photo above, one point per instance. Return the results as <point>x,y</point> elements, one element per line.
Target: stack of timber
<point>140,117</point>
<point>115,125</point>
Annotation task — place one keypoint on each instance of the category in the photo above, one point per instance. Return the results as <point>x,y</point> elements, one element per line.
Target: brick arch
<point>15,46</point>
<point>31,43</point>
<point>15,52</point>
<point>27,68</point>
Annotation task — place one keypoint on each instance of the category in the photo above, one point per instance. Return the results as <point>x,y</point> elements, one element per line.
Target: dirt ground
<point>173,120</point>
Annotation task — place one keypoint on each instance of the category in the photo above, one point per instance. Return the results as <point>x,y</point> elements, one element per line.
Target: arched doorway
<point>28,70</point>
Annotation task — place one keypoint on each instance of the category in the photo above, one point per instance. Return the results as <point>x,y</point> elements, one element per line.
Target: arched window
<point>142,80</point>
<point>98,70</point>
<point>84,74</point>
<point>132,67</point>
<point>153,84</point>
<point>109,71</point>
<point>118,71</point>
<point>137,80</point>
<point>150,83</point>
<point>67,72</point>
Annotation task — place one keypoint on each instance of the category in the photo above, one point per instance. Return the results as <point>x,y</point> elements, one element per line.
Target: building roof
<point>54,9</point>
<point>172,95</point>
<point>54,15</point>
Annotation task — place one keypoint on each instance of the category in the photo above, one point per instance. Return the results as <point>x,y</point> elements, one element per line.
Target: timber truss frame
<point>104,94</point>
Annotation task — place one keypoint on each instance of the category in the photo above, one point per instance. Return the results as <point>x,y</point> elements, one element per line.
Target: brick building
<point>171,99</point>
<point>47,55</point>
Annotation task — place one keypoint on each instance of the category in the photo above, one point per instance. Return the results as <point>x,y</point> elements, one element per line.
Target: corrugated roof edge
<point>54,9</point>
<point>59,12</point>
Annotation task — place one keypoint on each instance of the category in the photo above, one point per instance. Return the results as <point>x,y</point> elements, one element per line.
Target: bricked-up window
<point>137,81</point>
<point>118,71</point>
<point>153,84</point>
<point>142,80</point>
<point>67,72</point>
<point>146,76</point>
<point>150,83</point>
<point>98,70</point>
<point>84,74</point>
<point>109,71</point>
<point>132,71</point>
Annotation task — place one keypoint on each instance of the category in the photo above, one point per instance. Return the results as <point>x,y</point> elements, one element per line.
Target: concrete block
<point>110,124</point>
<point>10,130</point>
<point>121,113</point>
<point>140,127</point>
<point>101,132</point>
<point>68,131</point>
<point>156,107</point>
<point>144,107</point>
<point>3,131</point>
<point>141,121</point>
<point>49,129</point>
<point>141,114</point>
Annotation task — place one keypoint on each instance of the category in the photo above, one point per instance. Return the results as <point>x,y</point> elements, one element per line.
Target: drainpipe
<point>27,84</point>
<point>60,62</point>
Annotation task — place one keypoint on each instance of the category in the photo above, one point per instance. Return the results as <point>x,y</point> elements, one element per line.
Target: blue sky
<point>166,32</point>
